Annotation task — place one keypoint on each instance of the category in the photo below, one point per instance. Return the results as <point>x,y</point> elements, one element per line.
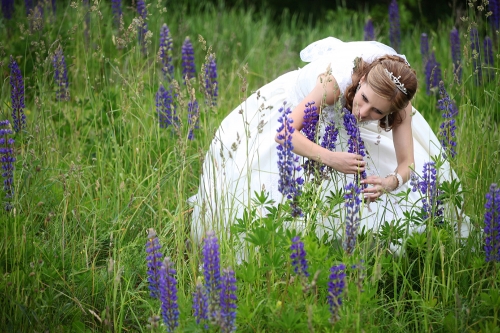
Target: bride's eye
<point>364,98</point>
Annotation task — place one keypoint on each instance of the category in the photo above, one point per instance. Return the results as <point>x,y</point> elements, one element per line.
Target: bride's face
<point>367,105</point>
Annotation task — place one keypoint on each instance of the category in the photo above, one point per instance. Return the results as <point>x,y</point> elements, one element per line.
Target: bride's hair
<point>378,80</point>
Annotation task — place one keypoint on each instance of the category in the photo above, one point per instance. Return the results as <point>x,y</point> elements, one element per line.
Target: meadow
<point>96,169</point>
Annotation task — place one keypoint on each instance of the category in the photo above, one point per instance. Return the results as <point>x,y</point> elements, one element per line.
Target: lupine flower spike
<point>211,272</point>
<point>494,8</point>
<point>154,263</point>
<point>168,295</point>
<point>116,8</point>
<point>476,56</point>
<point>28,5</point>
<point>394,26</point>
<point>200,303</point>
<point>193,116</point>
<point>299,261</point>
<point>60,75</point>
<point>447,129</point>
<point>17,96</point>
<point>492,224</point>
<point>211,84</point>
<point>355,143</point>
<point>424,48</point>
<point>188,66</point>
<point>336,286</point>
<point>143,29</point>
<point>7,9</point>
<point>165,54</point>
<point>7,160</point>
<point>289,185</point>
<point>227,317</point>
<point>369,31</point>
<point>352,203</point>
<point>429,187</point>
<point>432,73</point>
<point>489,59</point>
<point>165,108</point>
<point>311,117</point>
<point>456,55</point>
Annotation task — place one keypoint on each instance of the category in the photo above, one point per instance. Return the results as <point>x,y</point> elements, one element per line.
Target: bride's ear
<point>362,80</point>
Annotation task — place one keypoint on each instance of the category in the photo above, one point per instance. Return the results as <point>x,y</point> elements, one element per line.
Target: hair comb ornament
<point>396,81</point>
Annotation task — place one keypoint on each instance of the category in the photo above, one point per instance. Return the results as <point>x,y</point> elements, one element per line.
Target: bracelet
<point>398,178</point>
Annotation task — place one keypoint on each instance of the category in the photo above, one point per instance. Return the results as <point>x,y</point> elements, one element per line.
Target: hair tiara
<point>396,81</point>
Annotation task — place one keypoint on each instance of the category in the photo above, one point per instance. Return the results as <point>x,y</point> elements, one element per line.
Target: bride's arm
<point>325,92</point>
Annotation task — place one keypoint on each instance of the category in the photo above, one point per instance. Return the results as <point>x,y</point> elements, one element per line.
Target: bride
<point>367,80</point>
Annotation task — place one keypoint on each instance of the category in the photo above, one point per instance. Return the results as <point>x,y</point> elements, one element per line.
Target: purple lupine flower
<point>28,5</point>
<point>489,60</point>
<point>494,8</point>
<point>17,96</point>
<point>168,295</point>
<point>211,84</point>
<point>211,272</point>
<point>143,29</point>
<point>7,9</point>
<point>165,54</point>
<point>200,303</point>
<point>116,9</point>
<point>60,75</point>
<point>369,31</point>
<point>288,164</point>
<point>355,143</point>
<point>165,107</point>
<point>447,128</point>
<point>53,3</point>
<point>394,25</point>
<point>188,66</point>
<point>7,160</point>
<point>298,257</point>
<point>429,187</point>
<point>476,56</point>
<point>456,54</point>
<point>193,117</point>
<point>351,204</point>
<point>310,123</point>
<point>492,224</point>
<point>336,286</point>
<point>424,48</point>
<point>432,73</point>
<point>154,263</point>
<point>329,139</point>
<point>228,300</point>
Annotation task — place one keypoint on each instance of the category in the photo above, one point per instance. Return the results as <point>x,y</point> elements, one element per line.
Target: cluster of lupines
<point>116,9</point>
<point>336,286</point>
<point>494,8</point>
<point>492,224</point>
<point>476,56</point>
<point>165,54</point>
<point>447,128</point>
<point>489,60</point>
<point>154,262</point>
<point>369,32</point>
<point>394,26</point>
<point>165,107</point>
<point>432,73</point>
<point>216,300</point>
<point>143,29</point>
<point>288,163</point>
<point>456,55</point>
<point>429,187</point>
<point>299,261</point>
<point>17,96</point>
<point>7,160</point>
<point>211,84</point>
<point>355,143</point>
<point>188,66</point>
<point>352,206</point>
<point>60,75</point>
<point>7,9</point>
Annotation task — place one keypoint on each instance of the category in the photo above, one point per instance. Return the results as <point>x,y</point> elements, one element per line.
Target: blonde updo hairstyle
<point>383,86</point>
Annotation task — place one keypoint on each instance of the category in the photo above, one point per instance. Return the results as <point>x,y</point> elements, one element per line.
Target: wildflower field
<point>107,109</point>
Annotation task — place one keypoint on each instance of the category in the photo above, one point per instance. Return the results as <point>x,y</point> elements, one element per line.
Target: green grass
<point>94,173</point>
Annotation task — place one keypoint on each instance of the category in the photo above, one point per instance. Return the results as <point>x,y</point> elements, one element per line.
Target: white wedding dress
<point>242,158</point>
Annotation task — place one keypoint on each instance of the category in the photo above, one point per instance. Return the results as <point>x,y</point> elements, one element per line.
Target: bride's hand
<point>347,162</point>
<point>379,187</point>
